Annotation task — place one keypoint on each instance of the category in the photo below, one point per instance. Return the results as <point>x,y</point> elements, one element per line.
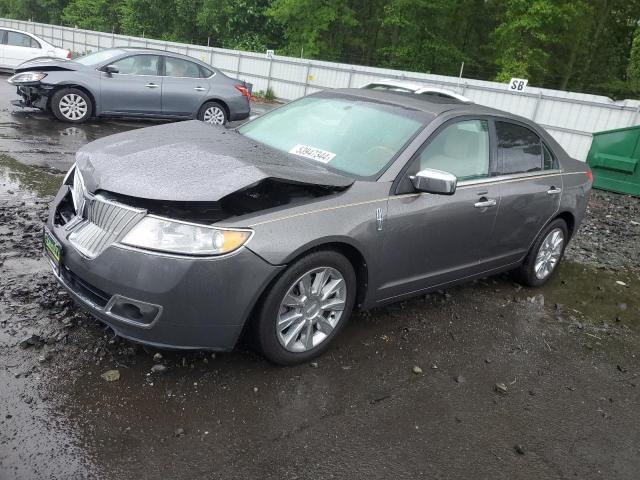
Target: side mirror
<point>111,69</point>
<point>435,181</point>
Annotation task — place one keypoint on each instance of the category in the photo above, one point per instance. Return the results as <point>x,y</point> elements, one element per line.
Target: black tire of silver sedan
<point>213,113</point>
<point>307,306</point>
<point>542,260</point>
<point>71,105</point>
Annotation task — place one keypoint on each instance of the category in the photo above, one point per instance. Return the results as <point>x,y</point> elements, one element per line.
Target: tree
<point>633,70</point>
<point>99,15</point>
<point>526,35</point>
<point>315,27</point>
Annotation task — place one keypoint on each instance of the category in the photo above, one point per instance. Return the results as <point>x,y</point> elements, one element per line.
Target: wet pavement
<point>512,382</point>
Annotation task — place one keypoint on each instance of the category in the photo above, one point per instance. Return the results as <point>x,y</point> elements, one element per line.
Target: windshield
<point>353,136</point>
<point>98,57</point>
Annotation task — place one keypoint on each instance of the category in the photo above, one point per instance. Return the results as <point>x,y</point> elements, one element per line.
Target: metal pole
<point>460,76</point>
<point>350,77</point>
<point>269,74</point>
<point>239,60</point>
<point>537,105</point>
<point>113,38</point>
<point>211,61</point>
<point>634,119</point>
<point>306,78</point>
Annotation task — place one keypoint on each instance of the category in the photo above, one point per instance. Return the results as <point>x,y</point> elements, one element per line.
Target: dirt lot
<point>514,383</point>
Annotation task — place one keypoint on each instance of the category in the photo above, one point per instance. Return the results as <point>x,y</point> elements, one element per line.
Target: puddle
<point>595,295</point>
<point>16,176</point>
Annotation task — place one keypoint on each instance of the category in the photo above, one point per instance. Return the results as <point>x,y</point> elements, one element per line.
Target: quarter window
<point>550,162</point>
<point>461,149</point>
<point>138,65</point>
<point>176,67</point>
<point>17,39</point>
<point>519,149</point>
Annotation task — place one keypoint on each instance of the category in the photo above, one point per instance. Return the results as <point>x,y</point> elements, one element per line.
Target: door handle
<point>199,89</point>
<point>152,85</point>
<point>485,203</point>
<point>554,191</point>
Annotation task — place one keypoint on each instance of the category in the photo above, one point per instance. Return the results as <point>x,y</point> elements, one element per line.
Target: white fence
<point>570,117</point>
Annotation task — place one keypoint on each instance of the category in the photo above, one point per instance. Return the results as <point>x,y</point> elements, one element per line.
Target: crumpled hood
<point>48,64</point>
<point>191,161</point>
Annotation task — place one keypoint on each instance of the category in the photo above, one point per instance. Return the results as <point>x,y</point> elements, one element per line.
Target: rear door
<point>184,86</point>
<point>433,239</point>
<point>531,187</point>
<point>19,48</point>
<point>136,89</point>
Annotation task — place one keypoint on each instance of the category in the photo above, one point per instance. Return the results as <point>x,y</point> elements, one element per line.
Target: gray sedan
<point>186,235</point>
<point>131,82</point>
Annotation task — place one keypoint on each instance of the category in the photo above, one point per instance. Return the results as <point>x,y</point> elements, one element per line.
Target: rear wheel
<point>306,308</point>
<point>71,105</point>
<point>213,113</point>
<point>545,255</point>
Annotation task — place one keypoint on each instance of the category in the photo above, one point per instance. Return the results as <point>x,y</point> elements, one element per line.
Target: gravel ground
<point>610,234</point>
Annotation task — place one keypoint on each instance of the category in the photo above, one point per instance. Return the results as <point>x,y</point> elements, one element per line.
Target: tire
<point>270,328</point>
<point>71,105</point>
<point>527,274</point>
<point>213,113</point>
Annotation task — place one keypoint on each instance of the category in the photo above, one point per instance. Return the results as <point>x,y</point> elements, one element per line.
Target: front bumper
<point>34,95</point>
<point>163,300</point>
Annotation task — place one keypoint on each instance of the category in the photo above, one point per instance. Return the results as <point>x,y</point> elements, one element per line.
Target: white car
<point>393,86</point>
<point>17,47</point>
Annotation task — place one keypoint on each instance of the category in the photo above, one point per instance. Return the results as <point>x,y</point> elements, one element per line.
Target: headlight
<point>153,233</point>
<point>27,77</point>
<point>74,179</point>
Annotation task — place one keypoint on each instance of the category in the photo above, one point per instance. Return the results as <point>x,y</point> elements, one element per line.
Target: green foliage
<point>580,45</point>
<point>633,70</point>
<point>267,95</point>
<point>92,14</point>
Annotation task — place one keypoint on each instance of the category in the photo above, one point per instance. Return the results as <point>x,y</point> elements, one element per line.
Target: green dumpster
<point>614,158</point>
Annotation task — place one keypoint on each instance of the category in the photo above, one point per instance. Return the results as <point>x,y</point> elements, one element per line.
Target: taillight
<point>589,175</point>
<point>243,90</point>
<point>69,55</point>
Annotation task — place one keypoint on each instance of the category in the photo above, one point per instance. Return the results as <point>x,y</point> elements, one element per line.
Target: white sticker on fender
<point>312,153</point>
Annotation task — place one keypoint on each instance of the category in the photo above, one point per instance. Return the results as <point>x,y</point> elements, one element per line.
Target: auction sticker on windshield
<point>312,153</point>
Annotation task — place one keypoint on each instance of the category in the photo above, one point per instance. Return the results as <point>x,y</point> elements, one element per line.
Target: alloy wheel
<point>311,309</point>
<point>549,253</point>
<point>73,106</point>
<point>214,115</point>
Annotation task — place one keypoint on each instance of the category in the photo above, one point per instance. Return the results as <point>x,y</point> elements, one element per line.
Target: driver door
<point>431,239</point>
<point>136,89</point>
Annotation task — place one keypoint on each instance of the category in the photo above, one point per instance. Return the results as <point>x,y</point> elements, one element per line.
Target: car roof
<point>431,105</point>
<point>157,51</point>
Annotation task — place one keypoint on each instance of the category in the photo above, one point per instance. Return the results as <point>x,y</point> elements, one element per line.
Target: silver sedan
<point>131,82</point>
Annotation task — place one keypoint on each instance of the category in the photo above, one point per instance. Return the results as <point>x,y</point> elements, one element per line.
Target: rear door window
<point>519,149</point>
<point>177,67</point>
<point>17,39</point>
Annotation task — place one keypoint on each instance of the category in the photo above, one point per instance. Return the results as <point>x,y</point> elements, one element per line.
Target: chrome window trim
<point>513,177</point>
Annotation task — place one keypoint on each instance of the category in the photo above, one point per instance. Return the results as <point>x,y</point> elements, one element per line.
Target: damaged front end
<point>33,93</point>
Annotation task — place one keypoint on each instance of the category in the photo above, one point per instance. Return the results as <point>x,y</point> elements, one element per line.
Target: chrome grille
<point>106,222</point>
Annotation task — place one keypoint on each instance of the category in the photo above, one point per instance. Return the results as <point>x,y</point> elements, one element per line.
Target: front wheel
<point>306,308</point>
<point>545,255</point>
<point>71,105</point>
<point>213,113</point>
